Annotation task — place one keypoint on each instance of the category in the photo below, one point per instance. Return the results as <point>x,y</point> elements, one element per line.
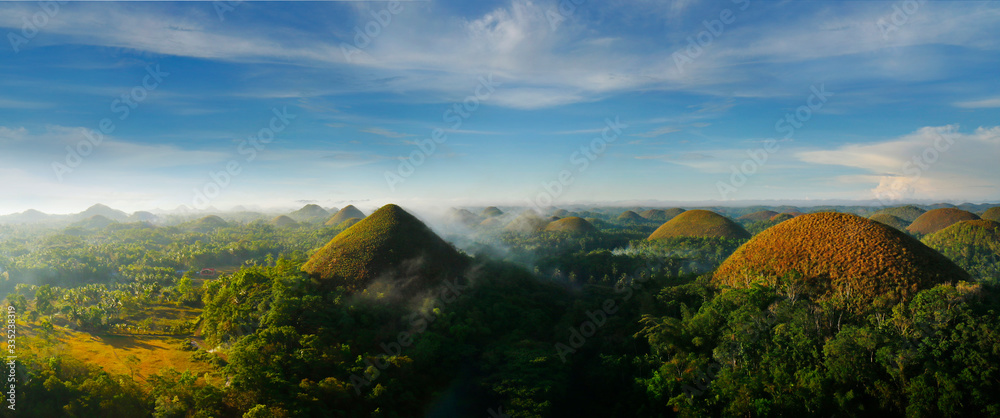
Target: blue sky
<point>905,80</point>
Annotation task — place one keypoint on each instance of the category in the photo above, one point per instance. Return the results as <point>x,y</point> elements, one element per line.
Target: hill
<point>907,213</point>
<point>390,244</point>
<point>348,223</point>
<point>973,245</point>
<point>491,212</point>
<point>891,220</point>
<point>206,224</point>
<point>94,222</point>
<point>661,214</point>
<point>107,212</point>
<point>699,223</point>
<point>463,217</point>
<point>143,216</point>
<point>630,216</point>
<point>759,216</point>
<point>344,214</point>
<point>283,221</point>
<point>527,222</point>
<point>573,225</point>
<point>562,213</point>
<point>781,217</point>
<point>938,219</point>
<point>830,253</point>
<point>992,214</point>
<point>310,213</point>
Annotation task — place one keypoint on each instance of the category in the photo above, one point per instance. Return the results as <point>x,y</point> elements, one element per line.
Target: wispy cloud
<point>658,132</point>
<point>980,104</point>
<point>386,133</point>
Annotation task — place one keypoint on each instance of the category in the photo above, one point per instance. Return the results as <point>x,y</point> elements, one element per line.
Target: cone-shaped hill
<point>826,253</point>
<point>760,216</point>
<point>980,233</point>
<point>283,221</point>
<point>891,220</point>
<point>310,213</point>
<point>630,216</point>
<point>344,214</point>
<point>938,219</point>
<point>992,214</point>
<point>95,222</point>
<point>572,225</point>
<point>661,214</point>
<point>527,222</point>
<point>781,217</point>
<point>491,212</point>
<point>206,224</point>
<point>907,213</point>
<point>700,223</point>
<point>390,244</point>
<point>463,217</point>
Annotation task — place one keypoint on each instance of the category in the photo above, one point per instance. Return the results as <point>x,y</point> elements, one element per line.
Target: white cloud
<point>658,132</point>
<point>931,163</point>
<point>385,132</point>
<point>980,104</point>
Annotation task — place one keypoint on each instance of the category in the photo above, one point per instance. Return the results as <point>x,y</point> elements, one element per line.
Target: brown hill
<point>781,217</point>
<point>992,214</point>
<point>390,244</point>
<point>938,219</point>
<point>891,220</point>
<point>344,214</point>
<point>760,216</point>
<point>699,223</point>
<point>573,225</point>
<point>836,253</point>
<point>661,214</point>
<point>630,216</point>
<point>527,222</point>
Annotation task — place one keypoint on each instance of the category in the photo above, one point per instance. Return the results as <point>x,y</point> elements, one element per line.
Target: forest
<point>543,322</point>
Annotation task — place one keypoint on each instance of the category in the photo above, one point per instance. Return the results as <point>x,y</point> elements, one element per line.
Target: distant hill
<point>28,216</point>
<point>992,214</point>
<point>907,213</point>
<point>661,214</point>
<point>527,222</point>
<point>835,253</point>
<point>938,219</point>
<point>759,216</point>
<point>94,222</point>
<point>206,224</point>
<point>143,216</point>
<point>699,223</point>
<point>893,221</point>
<point>310,214</point>
<point>344,214</point>
<point>562,213</point>
<point>573,225</point>
<point>630,216</point>
<point>283,221</point>
<point>390,244</point>
<point>463,217</point>
<point>491,212</point>
<point>781,217</point>
<point>99,209</point>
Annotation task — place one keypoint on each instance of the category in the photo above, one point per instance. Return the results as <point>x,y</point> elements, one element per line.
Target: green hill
<point>891,220</point>
<point>94,222</point>
<point>759,216</point>
<point>836,253</point>
<point>391,244</point>
<point>992,214</point>
<point>573,225</point>
<point>630,216</point>
<point>283,221</point>
<point>310,214</point>
<point>907,213</point>
<point>781,217</point>
<point>491,212</point>
<point>560,213</point>
<point>661,214</point>
<point>973,245</point>
<point>527,222</point>
<point>699,223</point>
<point>206,224</point>
<point>938,219</point>
<point>344,214</point>
<point>348,223</point>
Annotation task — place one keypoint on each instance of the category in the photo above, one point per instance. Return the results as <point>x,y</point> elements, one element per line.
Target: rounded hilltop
<point>982,233</point>
<point>311,213</point>
<point>389,244</point>
<point>908,213</point>
<point>527,222</point>
<point>661,214</point>
<point>829,253</point>
<point>630,216</point>
<point>891,220</point>
<point>938,219</point>
<point>283,221</point>
<point>759,216</point>
<point>491,212</point>
<point>572,225</point>
<point>344,214</point>
<point>701,224</point>
<point>992,214</point>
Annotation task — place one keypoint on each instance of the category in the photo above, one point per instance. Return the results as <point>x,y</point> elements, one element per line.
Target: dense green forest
<point>540,324</point>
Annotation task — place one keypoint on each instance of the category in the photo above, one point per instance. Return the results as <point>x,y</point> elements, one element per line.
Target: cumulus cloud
<point>930,163</point>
